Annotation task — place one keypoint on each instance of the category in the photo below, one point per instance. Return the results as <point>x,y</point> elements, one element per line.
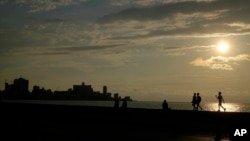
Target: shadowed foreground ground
<point>64,122</point>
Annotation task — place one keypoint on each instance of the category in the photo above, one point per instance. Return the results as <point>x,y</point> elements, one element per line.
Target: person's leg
<point>223,108</point>
<point>193,106</point>
<point>198,106</point>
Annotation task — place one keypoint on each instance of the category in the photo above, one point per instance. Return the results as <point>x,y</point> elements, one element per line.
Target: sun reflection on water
<point>230,107</point>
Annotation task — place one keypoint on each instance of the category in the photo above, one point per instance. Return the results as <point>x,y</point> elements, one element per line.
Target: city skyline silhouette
<point>20,90</point>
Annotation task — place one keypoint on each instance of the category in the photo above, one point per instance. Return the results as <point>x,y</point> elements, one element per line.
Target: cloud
<point>186,47</point>
<point>90,47</point>
<point>175,54</point>
<point>140,26</point>
<point>46,5</point>
<point>180,19</point>
<point>147,2</point>
<point>68,50</point>
<point>157,12</point>
<point>51,53</point>
<point>221,66</point>
<point>168,27</point>
<point>239,26</point>
<point>220,62</point>
<point>101,49</point>
<point>3,2</point>
<point>56,34</point>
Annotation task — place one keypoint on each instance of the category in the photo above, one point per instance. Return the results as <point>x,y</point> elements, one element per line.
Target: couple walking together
<point>196,101</point>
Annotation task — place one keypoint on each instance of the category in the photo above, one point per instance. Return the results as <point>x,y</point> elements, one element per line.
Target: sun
<point>223,46</point>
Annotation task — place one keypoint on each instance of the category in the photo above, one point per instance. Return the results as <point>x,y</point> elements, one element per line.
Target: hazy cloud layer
<point>85,48</point>
<point>3,1</point>
<point>136,25</point>
<point>171,9</point>
<point>185,18</point>
<point>147,2</point>
<point>220,62</point>
<point>187,47</point>
<point>46,5</point>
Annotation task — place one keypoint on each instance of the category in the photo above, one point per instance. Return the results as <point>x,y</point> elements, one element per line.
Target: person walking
<point>194,102</point>
<point>220,99</point>
<point>198,101</point>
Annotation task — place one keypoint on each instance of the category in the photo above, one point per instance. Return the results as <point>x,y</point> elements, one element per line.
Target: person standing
<point>165,105</point>
<point>198,101</point>
<point>194,102</point>
<point>220,99</point>
<point>116,105</point>
<point>124,104</point>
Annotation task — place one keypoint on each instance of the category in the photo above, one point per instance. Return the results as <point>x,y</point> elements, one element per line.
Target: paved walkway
<point>196,138</point>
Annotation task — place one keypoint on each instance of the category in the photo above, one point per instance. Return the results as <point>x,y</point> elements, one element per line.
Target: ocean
<point>206,106</point>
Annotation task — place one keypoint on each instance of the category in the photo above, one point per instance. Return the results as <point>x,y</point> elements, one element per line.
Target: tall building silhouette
<point>18,89</point>
<point>116,96</point>
<point>83,89</point>
<point>104,90</point>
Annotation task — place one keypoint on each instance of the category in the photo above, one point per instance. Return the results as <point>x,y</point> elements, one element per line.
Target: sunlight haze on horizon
<point>150,50</point>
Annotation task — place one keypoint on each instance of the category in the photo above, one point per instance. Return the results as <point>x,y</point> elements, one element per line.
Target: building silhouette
<point>104,90</point>
<point>19,89</point>
<point>86,89</point>
<point>116,96</point>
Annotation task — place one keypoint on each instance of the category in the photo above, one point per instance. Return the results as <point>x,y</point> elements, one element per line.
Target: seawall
<point>79,122</point>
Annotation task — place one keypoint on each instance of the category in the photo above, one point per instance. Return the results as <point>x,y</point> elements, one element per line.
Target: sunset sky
<point>147,49</point>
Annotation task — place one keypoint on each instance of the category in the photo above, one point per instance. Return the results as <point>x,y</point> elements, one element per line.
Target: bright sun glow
<point>223,47</point>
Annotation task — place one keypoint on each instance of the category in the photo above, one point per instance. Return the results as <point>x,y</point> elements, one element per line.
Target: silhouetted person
<point>194,102</point>
<point>220,98</point>
<point>124,104</point>
<point>116,105</point>
<point>165,105</point>
<point>198,101</point>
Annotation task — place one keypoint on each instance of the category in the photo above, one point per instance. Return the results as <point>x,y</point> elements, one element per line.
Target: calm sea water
<point>207,106</point>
